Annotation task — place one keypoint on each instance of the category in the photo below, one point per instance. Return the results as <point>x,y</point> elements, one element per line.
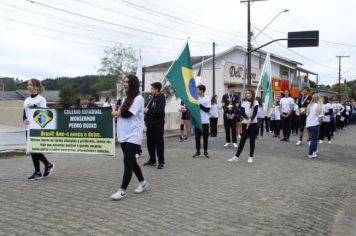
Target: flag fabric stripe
<point>181,79</point>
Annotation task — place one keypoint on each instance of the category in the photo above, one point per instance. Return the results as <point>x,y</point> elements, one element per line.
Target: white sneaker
<point>120,194</point>
<point>299,143</point>
<point>329,142</point>
<point>137,156</point>
<point>309,142</point>
<point>250,160</point>
<point>316,152</point>
<point>226,144</point>
<point>235,145</point>
<point>232,159</point>
<point>312,156</point>
<point>320,141</point>
<point>142,186</point>
<point>239,136</point>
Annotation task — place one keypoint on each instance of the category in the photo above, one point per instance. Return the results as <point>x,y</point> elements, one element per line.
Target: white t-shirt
<point>214,111</point>
<point>277,113</point>
<point>35,102</point>
<point>313,117</point>
<point>204,101</point>
<point>260,113</point>
<point>249,111</point>
<point>340,108</point>
<point>286,104</point>
<point>326,108</point>
<point>131,129</point>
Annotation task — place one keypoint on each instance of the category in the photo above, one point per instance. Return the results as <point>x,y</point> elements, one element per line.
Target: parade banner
<point>89,131</point>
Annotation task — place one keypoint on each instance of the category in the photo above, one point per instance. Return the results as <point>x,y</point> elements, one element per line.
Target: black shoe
<point>48,170</point>
<point>149,164</point>
<point>206,154</point>
<point>196,154</point>
<point>160,166</point>
<point>185,138</point>
<point>35,176</point>
<point>181,139</point>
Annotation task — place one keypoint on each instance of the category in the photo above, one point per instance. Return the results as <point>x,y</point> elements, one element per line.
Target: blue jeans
<point>314,130</point>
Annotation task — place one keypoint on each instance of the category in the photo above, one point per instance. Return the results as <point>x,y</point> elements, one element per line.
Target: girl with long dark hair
<point>130,133</point>
<point>35,100</point>
<point>249,125</point>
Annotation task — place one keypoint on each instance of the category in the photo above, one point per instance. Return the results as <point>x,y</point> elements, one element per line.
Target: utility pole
<point>249,36</point>
<point>213,68</point>
<point>338,88</point>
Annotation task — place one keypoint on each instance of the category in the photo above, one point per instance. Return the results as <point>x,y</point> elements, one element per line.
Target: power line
<point>111,23</point>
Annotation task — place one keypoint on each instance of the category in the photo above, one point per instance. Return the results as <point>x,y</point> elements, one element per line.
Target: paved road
<point>282,193</point>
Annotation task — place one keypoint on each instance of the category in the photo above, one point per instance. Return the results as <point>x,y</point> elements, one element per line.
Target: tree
<point>343,89</point>
<point>118,61</point>
<point>67,96</point>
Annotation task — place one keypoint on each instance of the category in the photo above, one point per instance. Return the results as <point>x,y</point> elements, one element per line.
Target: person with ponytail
<point>35,100</point>
<point>130,134</point>
<point>249,125</point>
<point>315,114</point>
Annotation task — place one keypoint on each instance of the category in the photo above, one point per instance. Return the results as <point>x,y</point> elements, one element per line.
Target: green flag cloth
<point>266,82</point>
<point>181,78</point>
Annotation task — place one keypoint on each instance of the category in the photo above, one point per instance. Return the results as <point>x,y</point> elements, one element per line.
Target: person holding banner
<point>130,134</point>
<point>249,126</point>
<point>154,120</point>
<point>35,100</point>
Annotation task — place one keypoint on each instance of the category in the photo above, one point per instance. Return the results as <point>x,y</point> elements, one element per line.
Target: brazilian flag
<point>181,78</point>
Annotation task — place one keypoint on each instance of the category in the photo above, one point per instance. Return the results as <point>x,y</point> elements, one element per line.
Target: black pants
<point>230,125</point>
<point>286,126</point>
<point>213,126</point>
<point>295,126</point>
<point>260,126</point>
<point>130,164</point>
<point>37,158</point>
<point>276,127</point>
<point>198,135</point>
<point>248,133</point>
<point>338,121</point>
<point>155,142</point>
<point>267,121</point>
<point>325,129</point>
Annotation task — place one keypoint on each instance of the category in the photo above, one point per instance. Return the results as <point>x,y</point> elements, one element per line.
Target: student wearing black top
<point>303,102</point>
<point>229,101</point>
<point>249,125</point>
<point>154,120</point>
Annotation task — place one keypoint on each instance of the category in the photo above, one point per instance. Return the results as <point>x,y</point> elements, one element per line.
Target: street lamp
<point>285,10</point>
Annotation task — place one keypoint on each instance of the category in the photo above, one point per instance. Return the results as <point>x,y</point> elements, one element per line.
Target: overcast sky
<point>42,42</point>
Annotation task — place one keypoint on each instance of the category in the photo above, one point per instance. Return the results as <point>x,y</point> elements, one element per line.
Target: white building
<point>229,69</point>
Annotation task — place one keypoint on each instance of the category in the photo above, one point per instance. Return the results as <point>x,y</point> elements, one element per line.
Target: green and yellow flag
<point>182,80</point>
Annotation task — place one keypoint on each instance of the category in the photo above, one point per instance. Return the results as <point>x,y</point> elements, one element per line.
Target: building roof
<point>52,96</point>
<point>196,61</point>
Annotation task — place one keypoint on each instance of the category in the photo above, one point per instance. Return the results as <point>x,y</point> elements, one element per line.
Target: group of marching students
<point>243,119</point>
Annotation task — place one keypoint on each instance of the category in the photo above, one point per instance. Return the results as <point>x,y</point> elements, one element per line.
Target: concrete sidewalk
<point>12,138</point>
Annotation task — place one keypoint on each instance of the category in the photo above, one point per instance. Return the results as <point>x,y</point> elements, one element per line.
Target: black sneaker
<point>160,166</point>
<point>149,164</point>
<point>35,176</point>
<point>206,154</point>
<point>196,154</point>
<point>48,170</point>
<point>181,139</point>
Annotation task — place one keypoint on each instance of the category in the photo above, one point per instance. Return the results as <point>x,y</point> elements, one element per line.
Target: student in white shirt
<point>214,116</point>
<point>35,100</point>
<point>130,133</point>
<point>249,125</point>
<point>276,119</point>
<point>205,105</point>
<point>325,129</point>
<point>260,116</point>
<point>286,106</point>
<point>315,114</point>
<point>108,103</point>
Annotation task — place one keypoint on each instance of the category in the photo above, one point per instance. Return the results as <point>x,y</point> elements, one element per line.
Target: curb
<point>11,153</point>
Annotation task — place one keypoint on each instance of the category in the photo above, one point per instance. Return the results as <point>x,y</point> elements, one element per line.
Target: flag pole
<point>163,81</point>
